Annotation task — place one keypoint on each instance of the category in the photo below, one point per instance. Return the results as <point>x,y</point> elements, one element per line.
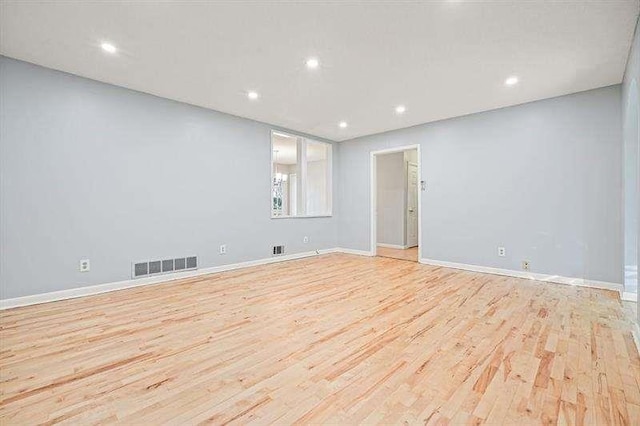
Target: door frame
<point>373,195</point>
<point>406,203</point>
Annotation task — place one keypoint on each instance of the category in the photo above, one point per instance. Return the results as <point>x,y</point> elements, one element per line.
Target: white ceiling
<point>440,58</point>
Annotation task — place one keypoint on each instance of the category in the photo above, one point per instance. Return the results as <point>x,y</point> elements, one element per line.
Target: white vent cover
<point>164,266</point>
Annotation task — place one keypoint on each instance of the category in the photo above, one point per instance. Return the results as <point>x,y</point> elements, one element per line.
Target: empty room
<point>319,212</point>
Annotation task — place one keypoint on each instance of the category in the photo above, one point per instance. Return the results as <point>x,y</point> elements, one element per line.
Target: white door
<point>412,205</point>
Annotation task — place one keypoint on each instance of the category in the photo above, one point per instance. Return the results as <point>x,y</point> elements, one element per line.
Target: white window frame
<point>301,176</point>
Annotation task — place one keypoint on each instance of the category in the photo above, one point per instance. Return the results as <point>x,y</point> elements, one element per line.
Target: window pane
<point>318,194</point>
<point>284,167</point>
<point>300,176</point>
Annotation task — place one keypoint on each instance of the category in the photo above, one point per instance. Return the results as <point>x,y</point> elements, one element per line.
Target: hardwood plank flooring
<point>329,339</point>
<point>402,254</point>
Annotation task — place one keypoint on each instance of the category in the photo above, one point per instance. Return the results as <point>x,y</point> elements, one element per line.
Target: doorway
<point>395,208</point>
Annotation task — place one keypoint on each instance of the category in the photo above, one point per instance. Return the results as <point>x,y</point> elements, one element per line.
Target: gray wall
<point>631,134</point>
<point>390,199</point>
<point>542,179</point>
<point>631,148</point>
<point>90,170</point>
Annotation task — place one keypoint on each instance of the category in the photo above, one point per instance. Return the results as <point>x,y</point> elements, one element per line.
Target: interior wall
<point>630,112</point>
<point>99,172</point>
<point>541,179</point>
<point>390,199</point>
<point>631,135</point>
<point>161,178</point>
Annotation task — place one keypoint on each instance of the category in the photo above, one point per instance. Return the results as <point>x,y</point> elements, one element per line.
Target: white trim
<point>629,297</point>
<point>372,185</point>
<point>356,252</point>
<point>557,279</point>
<point>393,246</point>
<point>120,285</point>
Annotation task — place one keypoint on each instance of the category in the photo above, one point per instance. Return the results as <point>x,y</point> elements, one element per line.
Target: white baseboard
<point>353,251</point>
<point>629,297</point>
<point>557,279</point>
<point>121,285</point>
<point>393,246</point>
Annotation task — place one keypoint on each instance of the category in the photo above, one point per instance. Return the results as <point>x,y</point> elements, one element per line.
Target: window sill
<point>302,217</point>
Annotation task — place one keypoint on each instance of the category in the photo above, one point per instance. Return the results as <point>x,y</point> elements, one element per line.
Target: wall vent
<point>278,250</point>
<point>164,266</point>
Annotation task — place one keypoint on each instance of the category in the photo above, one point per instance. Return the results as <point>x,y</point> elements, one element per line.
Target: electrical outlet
<point>305,240</point>
<point>85,265</point>
<point>223,249</point>
<point>502,252</point>
<point>525,265</point>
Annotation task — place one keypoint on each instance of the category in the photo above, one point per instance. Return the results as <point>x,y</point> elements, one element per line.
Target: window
<point>300,176</point>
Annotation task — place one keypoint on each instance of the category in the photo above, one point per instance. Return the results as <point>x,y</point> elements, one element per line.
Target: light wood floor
<point>334,338</point>
<point>402,254</point>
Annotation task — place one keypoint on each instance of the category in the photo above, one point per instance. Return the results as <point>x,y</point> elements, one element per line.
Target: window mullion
<point>302,176</point>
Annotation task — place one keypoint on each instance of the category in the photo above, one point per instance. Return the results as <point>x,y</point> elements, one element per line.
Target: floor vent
<point>278,250</point>
<point>165,266</point>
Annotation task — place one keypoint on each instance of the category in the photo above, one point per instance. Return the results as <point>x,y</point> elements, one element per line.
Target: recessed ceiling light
<point>108,47</point>
<point>253,95</point>
<point>342,124</point>
<point>400,109</point>
<point>511,81</point>
<point>312,63</point>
